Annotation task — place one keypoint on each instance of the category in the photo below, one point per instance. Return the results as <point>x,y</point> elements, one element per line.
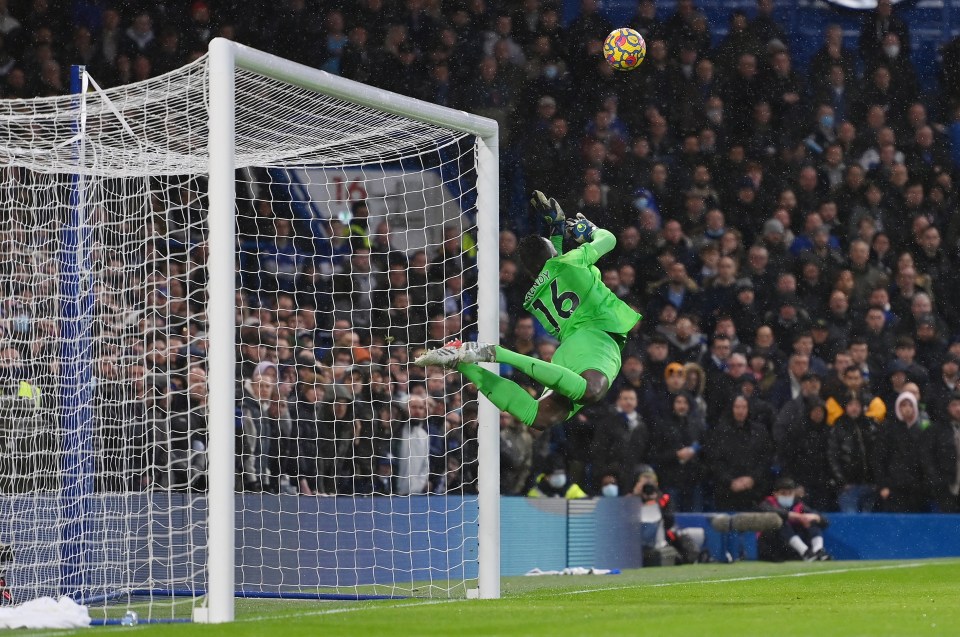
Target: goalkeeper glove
<point>580,229</point>
<point>550,210</point>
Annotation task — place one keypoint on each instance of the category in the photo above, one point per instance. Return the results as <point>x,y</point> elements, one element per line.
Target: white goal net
<point>357,239</point>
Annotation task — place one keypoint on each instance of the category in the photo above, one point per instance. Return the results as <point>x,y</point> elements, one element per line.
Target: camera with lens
<point>649,492</point>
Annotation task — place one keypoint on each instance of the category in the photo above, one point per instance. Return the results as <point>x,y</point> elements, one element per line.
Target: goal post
<point>225,57</point>
<point>146,265</point>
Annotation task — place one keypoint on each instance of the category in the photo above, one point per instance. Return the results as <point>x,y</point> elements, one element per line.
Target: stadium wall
<point>932,24</point>
<point>291,541</point>
<point>604,532</point>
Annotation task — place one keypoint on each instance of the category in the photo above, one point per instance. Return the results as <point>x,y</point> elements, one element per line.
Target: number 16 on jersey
<point>564,305</point>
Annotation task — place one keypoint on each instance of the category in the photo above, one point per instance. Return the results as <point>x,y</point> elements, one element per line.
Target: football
<point>624,49</point>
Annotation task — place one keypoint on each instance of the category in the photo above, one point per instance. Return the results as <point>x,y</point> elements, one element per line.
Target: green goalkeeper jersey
<point>569,293</point>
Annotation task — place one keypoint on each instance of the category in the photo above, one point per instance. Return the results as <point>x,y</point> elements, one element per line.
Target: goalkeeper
<point>572,303</point>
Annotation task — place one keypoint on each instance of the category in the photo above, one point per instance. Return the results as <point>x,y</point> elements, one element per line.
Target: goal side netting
<point>212,289</point>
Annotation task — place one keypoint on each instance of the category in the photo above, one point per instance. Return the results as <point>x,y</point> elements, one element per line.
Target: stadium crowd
<point>791,239</point>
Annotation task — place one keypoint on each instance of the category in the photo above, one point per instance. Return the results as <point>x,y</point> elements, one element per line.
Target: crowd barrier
<point>604,533</point>
<point>290,541</point>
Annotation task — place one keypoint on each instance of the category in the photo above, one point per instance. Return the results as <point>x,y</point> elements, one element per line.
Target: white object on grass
<point>45,612</point>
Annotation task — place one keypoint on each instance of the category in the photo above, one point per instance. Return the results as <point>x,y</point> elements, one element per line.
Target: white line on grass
<point>748,578</point>
<point>351,609</point>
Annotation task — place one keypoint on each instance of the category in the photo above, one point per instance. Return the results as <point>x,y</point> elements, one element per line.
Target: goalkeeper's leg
<point>571,390</point>
<point>552,409</point>
<point>579,388</point>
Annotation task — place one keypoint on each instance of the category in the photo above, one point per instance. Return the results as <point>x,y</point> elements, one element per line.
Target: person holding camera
<point>664,544</point>
<point>800,536</point>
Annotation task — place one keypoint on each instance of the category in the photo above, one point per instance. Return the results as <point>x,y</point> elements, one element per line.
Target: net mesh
<point>355,246</point>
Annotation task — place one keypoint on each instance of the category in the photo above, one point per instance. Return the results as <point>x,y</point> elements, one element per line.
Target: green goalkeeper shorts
<point>589,348</point>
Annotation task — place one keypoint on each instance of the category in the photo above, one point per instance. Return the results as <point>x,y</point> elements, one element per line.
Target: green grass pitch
<point>918,597</point>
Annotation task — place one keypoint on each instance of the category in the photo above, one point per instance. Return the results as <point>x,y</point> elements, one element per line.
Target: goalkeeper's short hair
<point>532,253</point>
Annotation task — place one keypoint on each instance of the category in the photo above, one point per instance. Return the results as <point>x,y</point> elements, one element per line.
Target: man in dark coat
<point>621,438</point>
<point>941,442</point>
<point>739,455</point>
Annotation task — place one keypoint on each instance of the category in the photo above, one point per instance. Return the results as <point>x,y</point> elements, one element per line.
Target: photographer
<point>664,544</point>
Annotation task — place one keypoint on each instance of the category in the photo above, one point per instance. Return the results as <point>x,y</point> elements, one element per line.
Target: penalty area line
<point>749,578</point>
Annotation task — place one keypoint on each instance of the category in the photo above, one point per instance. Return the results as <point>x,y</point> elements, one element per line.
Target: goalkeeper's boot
<point>471,352</point>
<point>447,356</point>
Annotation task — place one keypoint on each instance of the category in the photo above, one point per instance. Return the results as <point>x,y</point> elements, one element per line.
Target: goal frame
<point>225,57</point>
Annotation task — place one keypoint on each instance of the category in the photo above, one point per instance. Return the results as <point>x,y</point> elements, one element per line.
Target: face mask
<point>786,501</point>
<point>891,51</point>
<point>610,490</point>
<point>715,115</point>
<point>551,72</point>
<point>557,480</point>
<point>826,121</point>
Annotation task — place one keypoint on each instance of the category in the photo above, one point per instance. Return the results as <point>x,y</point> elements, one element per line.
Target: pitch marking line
<point>334,611</point>
<point>749,578</point>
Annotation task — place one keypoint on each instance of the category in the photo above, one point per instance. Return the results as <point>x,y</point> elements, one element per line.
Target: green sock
<point>560,379</point>
<point>502,392</point>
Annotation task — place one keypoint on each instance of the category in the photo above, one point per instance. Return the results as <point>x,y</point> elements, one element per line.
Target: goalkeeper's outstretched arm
<point>603,241</point>
<point>553,217</point>
<point>585,232</point>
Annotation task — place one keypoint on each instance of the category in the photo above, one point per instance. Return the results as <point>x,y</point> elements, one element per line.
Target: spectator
<point>902,466</point>
<point>554,482</point>
<point>656,361</point>
<point>942,450</point>
<point>788,386</point>
<point>739,455</point>
<point>139,38</point>
<point>942,387</point>
<point>851,453</point>
<point>645,21</point>
<point>516,455</point>
<point>675,445</point>
<point>679,290</point>
<point>305,416</point>
<point>621,437</point>
<point>740,39</point>
<point>609,488</point>
<point>258,437</point>
<point>199,28</point>
<point>866,277</point>
<point>665,544</point>
<point>413,449</point>
<point>878,335</point>
<point>685,341</point>
<point>695,384</point>
<point>801,536</point>
<point>854,385</point>
<point>357,57</point>
<point>803,454</point>
<point>876,25</point>
<point>188,433</point>
<point>793,412</point>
